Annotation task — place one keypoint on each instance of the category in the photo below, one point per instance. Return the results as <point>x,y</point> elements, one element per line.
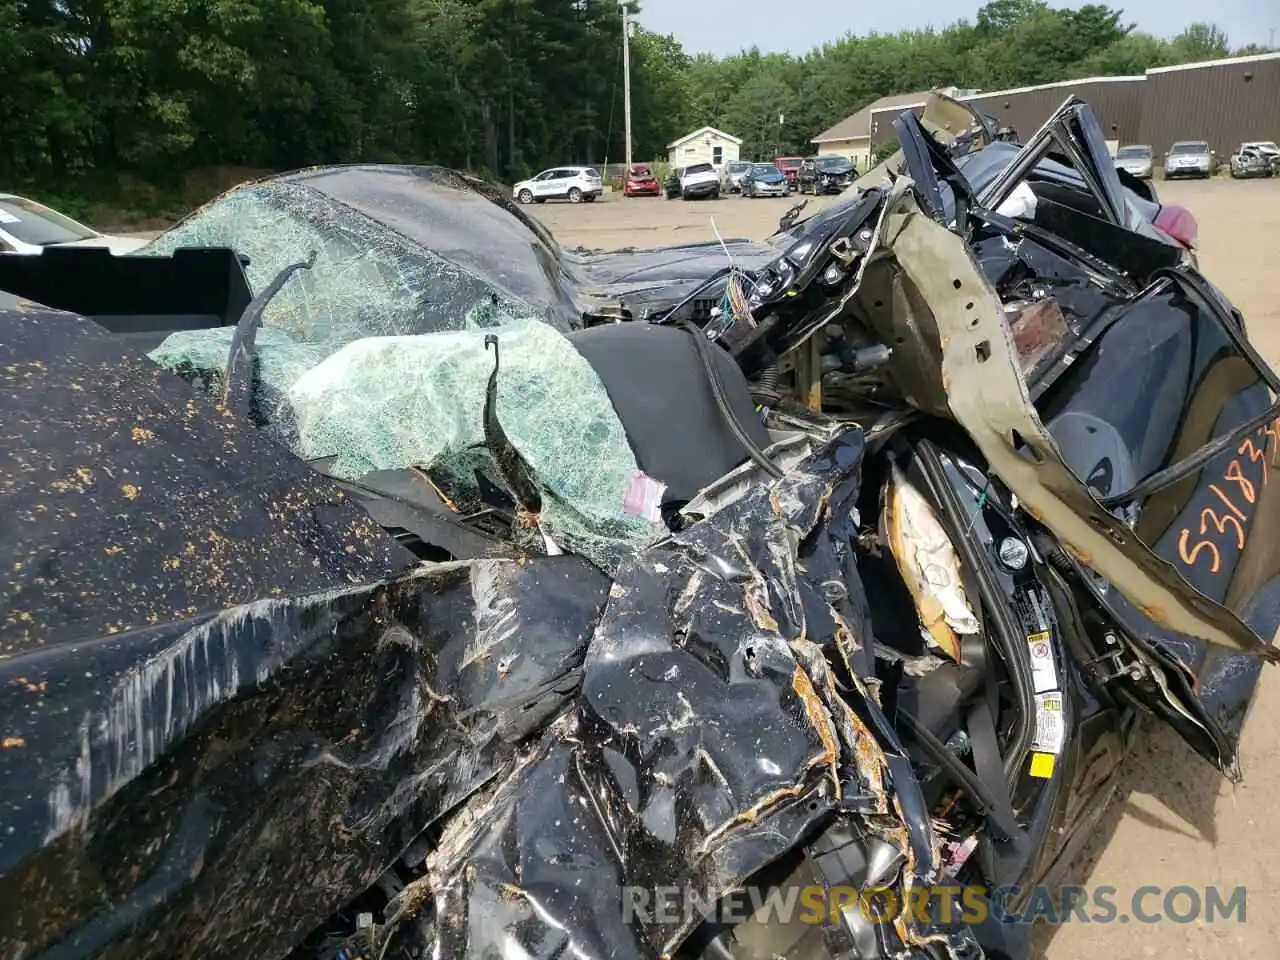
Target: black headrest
<point>662,394</point>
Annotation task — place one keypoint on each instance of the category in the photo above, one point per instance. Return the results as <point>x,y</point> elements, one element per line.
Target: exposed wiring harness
<point>735,303</point>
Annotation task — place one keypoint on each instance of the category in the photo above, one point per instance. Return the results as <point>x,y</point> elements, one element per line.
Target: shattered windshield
<point>365,282</point>
<point>375,357</point>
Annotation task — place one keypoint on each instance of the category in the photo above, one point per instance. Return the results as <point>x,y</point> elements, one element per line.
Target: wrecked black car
<point>823,175</point>
<point>352,612</point>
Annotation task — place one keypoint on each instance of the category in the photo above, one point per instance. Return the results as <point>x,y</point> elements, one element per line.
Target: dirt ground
<point>1176,822</point>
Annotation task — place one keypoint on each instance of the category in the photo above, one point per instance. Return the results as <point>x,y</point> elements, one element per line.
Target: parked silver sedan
<point>731,179</point>
<point>1135,159</point>
<point>764,180</point>
<point>1189,158</point>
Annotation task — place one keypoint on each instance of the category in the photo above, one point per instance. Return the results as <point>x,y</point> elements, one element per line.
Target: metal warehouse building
<point>1117,101</point>
<point>1224,102</point>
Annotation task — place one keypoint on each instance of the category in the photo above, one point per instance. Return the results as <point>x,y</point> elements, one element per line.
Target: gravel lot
<point>1177,822</point>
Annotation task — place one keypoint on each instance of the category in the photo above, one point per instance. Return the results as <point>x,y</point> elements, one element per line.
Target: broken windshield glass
<point>394,402</point>
<point>367,281</point>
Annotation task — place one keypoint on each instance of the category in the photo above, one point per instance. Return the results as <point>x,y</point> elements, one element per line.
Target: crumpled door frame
<point>987,396</point>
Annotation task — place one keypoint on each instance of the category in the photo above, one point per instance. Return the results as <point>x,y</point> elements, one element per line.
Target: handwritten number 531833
<point>1236,495</point>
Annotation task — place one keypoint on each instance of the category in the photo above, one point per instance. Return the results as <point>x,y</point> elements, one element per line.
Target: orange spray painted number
<point>1235,495</point>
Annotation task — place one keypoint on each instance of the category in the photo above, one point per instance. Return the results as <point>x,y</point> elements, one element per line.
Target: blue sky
<point>727,26</point>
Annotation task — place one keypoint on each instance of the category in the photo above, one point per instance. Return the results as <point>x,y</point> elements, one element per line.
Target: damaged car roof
<point>474,237</point>
<point>892,634</point>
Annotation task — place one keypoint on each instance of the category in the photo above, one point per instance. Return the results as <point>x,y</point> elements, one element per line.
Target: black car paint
<point>203,751</point>
<point>172,752</point>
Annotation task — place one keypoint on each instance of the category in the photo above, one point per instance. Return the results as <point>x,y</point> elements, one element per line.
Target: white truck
<point>699,181</point>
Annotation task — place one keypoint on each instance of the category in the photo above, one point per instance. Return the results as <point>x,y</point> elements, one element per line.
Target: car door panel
<point>545,184</point>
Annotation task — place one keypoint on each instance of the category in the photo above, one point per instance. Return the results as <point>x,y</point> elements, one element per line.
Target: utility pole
<point>626,78</point>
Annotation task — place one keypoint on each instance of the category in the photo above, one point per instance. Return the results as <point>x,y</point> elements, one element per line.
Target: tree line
<point>99,95</point>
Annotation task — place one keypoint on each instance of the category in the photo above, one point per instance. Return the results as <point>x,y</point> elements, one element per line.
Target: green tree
<point>754,111</point>
<point>660,109</point>
<point>1200,41</point>
<point>99,94</point>
<point>1131,55</point>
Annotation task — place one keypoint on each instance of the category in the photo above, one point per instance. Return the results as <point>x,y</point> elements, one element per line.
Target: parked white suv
<point>574,184</point>
<point>29,227</point>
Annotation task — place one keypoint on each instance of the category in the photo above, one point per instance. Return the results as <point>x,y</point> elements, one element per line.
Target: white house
<point>704,145</point>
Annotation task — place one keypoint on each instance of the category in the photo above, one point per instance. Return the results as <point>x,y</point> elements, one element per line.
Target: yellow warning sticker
<point>1042,765</point>
<point>1038,637</point>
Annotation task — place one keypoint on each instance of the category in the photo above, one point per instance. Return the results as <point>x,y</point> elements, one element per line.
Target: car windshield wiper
<point>237,384</point>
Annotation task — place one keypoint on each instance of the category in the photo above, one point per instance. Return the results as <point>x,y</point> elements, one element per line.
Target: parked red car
<point>640,182</point>
<point>790,166</point>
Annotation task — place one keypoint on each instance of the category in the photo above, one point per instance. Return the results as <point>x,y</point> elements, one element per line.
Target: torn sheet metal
<point>173,782</point>
<point>708,738</point>
<point>204,717</point>
<point>174,785</point>
<point>988,397</point>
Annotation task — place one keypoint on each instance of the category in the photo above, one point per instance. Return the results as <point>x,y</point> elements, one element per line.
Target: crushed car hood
<point>231,665</point>
<point>650,280</point>
<point>505,749</point>
<point>129,506</point>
